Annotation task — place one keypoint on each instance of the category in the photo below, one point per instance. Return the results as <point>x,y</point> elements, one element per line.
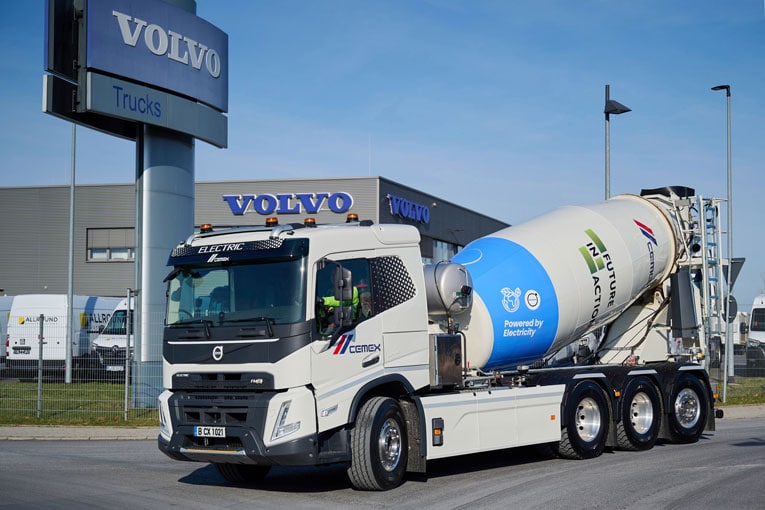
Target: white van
<point>5,311</point>
<point>89,314</point>
<point>108,348</point>
<point>756,335</point>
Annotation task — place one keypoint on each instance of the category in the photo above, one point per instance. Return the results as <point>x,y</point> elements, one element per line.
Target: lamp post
<point>728,336</point>
<point>616,108</point>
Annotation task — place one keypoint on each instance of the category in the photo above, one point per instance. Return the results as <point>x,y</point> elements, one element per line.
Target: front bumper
<point>242,445</point>
<point>249,419</point>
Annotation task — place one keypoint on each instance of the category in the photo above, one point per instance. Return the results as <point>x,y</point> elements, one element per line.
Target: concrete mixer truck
<point>305,344</point>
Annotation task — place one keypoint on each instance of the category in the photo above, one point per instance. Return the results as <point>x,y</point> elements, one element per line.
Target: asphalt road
<point>725,469</point>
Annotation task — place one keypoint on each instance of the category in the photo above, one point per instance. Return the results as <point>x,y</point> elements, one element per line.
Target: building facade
<point>35,243</point>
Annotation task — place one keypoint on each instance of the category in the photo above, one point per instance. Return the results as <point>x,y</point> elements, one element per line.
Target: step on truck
<point>305,344</point>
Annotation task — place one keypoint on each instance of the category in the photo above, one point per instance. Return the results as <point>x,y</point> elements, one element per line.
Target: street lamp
<point>728,336</point>
<point>616,108</point>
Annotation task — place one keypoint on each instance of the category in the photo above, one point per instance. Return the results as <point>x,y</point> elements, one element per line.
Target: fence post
<point>41,342</point>
<point>128,331</point>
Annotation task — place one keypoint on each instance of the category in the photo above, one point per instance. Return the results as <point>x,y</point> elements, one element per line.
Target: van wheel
<point>242,473</point>
<point>640,421</point>
<point>378,446</point>
<point>587,416</point>
<point>689,407</point>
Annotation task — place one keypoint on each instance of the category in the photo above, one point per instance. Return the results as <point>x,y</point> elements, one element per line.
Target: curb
<point>739,412</point>
<point>56,433</point>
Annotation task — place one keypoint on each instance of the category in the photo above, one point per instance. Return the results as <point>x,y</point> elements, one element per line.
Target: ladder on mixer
<point>711,239</point>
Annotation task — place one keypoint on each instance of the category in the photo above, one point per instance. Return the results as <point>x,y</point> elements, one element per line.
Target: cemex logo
<point>344,346</point>
<point>646,230</point>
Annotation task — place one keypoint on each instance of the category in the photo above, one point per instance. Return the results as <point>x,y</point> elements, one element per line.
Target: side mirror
<point>343,288</point>
<point>342,285</point>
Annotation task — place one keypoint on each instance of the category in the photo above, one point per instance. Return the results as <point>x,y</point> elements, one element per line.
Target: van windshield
<point>758,319</point>
<point>252,291</point>
<point>116,325</point>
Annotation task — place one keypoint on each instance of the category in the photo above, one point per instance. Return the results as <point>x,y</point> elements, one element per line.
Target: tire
<point>378,446</point>
<point>242,473</point>
<point>640,422</point>
<point>586,417</point>
<point>688,409</point>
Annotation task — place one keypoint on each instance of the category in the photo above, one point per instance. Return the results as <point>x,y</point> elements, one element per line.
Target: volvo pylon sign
<point>160,45</point>
<point>140,61</point>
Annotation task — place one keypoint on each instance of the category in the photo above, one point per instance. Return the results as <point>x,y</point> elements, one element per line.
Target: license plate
<point>115,368</point>
<point>201,431</point>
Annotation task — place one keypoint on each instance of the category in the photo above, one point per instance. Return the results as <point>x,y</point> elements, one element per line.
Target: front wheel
<point>378,446</point>
<point>689,409</point>
<point>587,417</point>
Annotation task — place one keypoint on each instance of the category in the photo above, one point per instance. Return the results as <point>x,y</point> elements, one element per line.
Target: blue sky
<point>496,105</point>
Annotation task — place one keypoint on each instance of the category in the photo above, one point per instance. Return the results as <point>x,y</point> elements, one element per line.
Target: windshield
<point>758,319</point>
<point>116,325</point>
<point>244,292</point>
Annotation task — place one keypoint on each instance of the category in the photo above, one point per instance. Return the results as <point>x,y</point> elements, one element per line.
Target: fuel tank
<point>539,285</point>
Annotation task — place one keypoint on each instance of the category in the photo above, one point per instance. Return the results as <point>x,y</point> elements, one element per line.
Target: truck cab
<point>292,321</point>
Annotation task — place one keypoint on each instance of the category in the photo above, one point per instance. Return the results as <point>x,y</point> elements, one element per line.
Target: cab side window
<point>326,302</point>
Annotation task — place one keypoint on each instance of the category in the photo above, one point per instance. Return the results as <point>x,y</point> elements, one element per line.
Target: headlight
<point>282,428</point>
<point>165,427</point>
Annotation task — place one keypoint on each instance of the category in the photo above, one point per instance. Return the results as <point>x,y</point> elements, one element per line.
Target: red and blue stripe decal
<point>647,231</point>
<point>342,344</point>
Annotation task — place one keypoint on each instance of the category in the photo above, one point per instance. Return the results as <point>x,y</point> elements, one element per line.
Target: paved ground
<point>30,432</point>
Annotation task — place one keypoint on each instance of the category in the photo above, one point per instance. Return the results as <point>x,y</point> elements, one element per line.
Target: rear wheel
<point>242,473</point>
<point>378,446</point>
<point>587,417</point>
<point>689,409</point>
<point>638,428</point>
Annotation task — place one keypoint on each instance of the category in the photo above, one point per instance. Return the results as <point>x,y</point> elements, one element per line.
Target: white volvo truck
<point>305,344</point>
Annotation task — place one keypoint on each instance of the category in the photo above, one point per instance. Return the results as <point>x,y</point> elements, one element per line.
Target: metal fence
<point>47,378</point>
<point>108,387</point>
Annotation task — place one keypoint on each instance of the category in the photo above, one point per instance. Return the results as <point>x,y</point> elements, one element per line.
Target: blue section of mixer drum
<point>519,296</point>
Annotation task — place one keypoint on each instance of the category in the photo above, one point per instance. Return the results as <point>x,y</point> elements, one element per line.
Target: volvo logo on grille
<point>217,353</point>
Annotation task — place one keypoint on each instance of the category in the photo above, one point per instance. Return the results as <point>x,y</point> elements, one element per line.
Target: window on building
<point>111,245</point>
<point>443,250</point>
